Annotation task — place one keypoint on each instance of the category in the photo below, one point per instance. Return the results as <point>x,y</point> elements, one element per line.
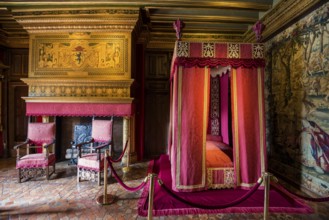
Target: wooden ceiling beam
<point>242,5</point>
<point>203,18</point>
<point>205,32</point>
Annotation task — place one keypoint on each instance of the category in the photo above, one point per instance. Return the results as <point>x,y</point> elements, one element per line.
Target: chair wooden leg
<point>78,175</point>
<point>47,172</point>
<point>19,176</point>
<point>99,178</point>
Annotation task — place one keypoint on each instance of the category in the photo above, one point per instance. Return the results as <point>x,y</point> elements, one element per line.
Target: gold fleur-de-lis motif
<point>183,49</point>
<point>208,50</point>
<point>233,51</point>
<point>258,51</point>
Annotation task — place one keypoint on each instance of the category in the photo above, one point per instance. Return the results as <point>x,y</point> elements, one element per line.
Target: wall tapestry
<point>297,87</point>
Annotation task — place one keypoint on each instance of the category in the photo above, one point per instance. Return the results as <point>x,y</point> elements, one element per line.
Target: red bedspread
<point>215,157</point>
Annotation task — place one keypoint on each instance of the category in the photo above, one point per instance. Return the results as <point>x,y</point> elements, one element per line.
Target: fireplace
<point>80,66</point>
<point>69,109</point>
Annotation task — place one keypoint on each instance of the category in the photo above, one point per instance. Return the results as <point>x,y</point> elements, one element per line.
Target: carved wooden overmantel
<point>79,55</point>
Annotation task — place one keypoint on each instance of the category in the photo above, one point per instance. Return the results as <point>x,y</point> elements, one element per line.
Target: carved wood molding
<point>75,19</point>
<point>15,42</point>
<point>212,37</point>
<point>161,41</point>
<point>78,87</point>
<point>280,16</point>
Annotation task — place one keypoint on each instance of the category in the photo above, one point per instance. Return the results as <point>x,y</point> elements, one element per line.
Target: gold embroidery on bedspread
<point>228,175</point>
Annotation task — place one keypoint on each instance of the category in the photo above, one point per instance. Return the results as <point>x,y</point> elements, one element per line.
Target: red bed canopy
<point>189,111</point>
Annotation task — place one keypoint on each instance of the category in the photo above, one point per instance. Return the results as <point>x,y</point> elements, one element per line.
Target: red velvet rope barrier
<point>132,189</point>
<point>120,157</point>
<point>221,206</point>
<point>282,188</point>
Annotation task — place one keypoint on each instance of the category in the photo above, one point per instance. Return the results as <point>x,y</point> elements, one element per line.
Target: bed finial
<point>258,29</point>
<point>178,25</point>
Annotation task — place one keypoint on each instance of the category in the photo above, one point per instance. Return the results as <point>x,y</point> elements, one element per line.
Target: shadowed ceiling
<point>220,19</point>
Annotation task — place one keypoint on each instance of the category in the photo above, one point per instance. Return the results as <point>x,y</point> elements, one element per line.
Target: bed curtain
<point>189,111</point>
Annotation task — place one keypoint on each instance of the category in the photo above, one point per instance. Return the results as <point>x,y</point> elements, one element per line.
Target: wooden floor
<point>62,198</point>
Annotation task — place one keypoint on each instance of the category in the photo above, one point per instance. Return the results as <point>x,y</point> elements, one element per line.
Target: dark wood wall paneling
<point>139,100</point>
<point>157,98</point>
<point>14,106</point>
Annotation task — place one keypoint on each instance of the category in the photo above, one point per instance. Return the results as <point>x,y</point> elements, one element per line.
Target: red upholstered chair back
<point>41,133</point>
<point>102,130</point>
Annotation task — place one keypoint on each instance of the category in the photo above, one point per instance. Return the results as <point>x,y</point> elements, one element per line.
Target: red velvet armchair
<point>90,166</point>
<point>39,149</point>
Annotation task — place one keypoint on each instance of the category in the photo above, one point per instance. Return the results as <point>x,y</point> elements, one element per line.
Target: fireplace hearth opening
<point>65,128</point>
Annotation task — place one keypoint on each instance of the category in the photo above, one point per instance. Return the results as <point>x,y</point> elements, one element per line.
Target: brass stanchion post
<point>151,194</point>
<point>267,177</point>
<point>105,199</point>
<point>127,168</point>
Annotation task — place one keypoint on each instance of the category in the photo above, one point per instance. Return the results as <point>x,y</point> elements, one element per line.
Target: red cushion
<point>36,160</point>
<point>90,162</point>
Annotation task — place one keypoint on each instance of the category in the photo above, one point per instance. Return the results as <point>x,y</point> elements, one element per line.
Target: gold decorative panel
<point>82,87</point>
<point>81,55</point>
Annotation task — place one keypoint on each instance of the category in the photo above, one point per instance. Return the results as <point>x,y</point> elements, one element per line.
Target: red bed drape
<point>189,111</point>
<point>248,125</point>
<point>190,127</point>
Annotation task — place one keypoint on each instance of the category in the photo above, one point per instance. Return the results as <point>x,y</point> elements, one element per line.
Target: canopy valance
<point>189,54</point>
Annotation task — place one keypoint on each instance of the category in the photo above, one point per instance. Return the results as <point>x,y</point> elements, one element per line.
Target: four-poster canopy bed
<point>189,148</point>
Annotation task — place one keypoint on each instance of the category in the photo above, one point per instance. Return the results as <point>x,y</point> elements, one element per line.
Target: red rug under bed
<point>165,204</point>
